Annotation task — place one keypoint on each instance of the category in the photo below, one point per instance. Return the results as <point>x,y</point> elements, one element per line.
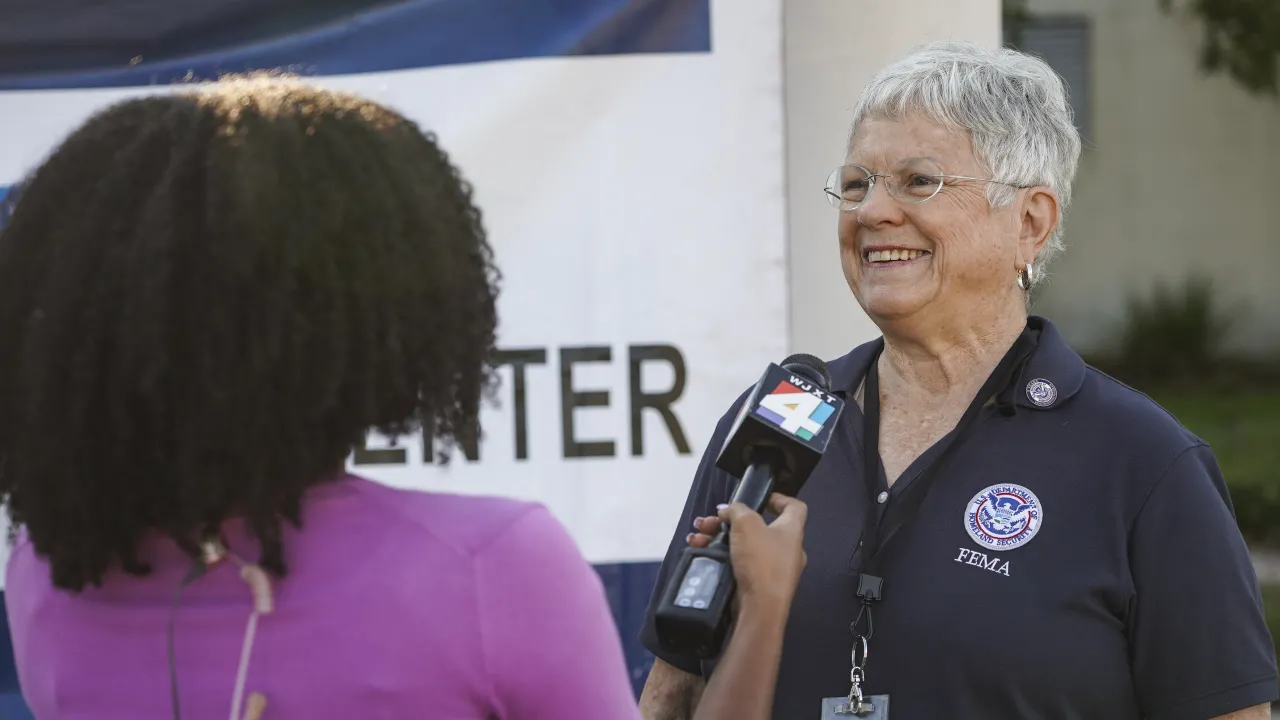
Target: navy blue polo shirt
<point>1076,559</point>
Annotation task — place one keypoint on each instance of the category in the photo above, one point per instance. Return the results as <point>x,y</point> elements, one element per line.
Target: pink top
<point>398,604</point>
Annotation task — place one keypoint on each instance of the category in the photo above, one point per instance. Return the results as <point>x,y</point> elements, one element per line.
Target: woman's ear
<point>1037,216</point>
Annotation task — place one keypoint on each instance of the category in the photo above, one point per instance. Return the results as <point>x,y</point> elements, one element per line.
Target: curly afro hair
<point>207,299</point>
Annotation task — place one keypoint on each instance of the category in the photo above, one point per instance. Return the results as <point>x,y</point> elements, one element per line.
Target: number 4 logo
<point>795,410</point>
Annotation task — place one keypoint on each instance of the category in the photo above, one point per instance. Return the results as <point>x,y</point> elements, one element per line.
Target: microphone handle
<point>693,614</point>
<point>755,487</point>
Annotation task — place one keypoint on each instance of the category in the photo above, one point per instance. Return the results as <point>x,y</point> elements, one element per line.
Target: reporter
<point>206,300</point>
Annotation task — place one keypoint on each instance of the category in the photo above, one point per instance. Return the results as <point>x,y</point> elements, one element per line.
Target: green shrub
<point>1271,608</point>
<point>1173,335</point>
<point>1170,347</point>
<point>1243,427</point>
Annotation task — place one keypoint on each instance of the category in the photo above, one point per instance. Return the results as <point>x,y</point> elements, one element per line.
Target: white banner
<point>635,203</point>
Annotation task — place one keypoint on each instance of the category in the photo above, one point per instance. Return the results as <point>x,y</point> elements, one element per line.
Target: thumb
<point>790,511</point>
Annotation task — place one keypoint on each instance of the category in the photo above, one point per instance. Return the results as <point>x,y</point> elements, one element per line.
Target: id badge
<point>837,708</point>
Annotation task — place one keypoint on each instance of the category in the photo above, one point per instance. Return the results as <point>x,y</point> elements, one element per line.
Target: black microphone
<point>777,438</point>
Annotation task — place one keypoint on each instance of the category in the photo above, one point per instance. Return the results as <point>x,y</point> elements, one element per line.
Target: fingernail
<point>688,538</point>
<point>695,523</point>
<point>722,506</point>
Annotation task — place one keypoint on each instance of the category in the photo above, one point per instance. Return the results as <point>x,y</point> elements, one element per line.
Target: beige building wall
<point>1183,175</point>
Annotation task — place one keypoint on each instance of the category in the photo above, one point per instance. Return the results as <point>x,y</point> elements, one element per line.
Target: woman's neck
<point>946,362</point>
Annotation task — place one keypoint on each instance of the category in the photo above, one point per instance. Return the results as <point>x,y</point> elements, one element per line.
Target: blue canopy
<point>89,43</point>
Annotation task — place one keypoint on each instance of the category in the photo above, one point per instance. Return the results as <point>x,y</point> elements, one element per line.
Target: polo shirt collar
<point>1053,374</point>
<point>848,370</point>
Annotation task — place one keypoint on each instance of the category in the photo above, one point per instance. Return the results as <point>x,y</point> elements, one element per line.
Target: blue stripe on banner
<point>627,586</point>
<point>426,33</point>
<point>5,210</point>
<point>11,705</point>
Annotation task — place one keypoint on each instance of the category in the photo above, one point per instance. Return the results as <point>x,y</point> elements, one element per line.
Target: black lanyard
<point>876,535</point>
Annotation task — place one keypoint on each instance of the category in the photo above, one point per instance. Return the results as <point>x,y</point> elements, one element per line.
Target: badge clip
<point>869,587</point>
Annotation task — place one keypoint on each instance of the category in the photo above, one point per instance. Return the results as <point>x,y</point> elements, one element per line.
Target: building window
<point>1063,42</point>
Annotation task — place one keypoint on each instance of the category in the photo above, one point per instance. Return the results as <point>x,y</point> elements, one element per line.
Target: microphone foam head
<point>811,367</point>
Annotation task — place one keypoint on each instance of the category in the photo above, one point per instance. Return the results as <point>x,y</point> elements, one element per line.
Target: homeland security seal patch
<point>1003,517</point>
<point>1041,392</point>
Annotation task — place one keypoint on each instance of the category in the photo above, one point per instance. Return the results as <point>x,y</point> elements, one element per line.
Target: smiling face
<point>946,259</point>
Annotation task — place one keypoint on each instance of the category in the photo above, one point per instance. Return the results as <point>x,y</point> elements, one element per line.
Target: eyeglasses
<point>910,181</point>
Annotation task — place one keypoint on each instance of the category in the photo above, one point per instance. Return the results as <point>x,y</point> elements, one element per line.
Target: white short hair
<point>1013,106</point>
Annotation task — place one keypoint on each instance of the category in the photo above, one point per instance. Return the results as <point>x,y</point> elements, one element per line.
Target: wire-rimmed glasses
<point>914,180</point>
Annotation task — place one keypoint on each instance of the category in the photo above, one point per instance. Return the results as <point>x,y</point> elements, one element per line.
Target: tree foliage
<point>1241,38</point>
<point>1013,15</point>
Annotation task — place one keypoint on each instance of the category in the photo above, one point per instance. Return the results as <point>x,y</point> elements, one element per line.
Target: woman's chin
<point>888,305</point>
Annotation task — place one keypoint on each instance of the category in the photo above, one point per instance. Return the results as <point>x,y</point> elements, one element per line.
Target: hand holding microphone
<point>778,436</point>
<point>767,559</point>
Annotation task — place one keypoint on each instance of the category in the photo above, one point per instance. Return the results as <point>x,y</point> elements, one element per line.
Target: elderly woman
<point>997,530</point>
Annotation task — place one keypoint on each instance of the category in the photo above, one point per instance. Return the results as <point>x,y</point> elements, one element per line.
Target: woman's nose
<point>879,207</point>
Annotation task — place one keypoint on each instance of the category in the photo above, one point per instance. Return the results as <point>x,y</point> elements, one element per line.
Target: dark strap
<point>901,510</point>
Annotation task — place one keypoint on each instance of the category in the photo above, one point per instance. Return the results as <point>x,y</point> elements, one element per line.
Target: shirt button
<point>882,497</point>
